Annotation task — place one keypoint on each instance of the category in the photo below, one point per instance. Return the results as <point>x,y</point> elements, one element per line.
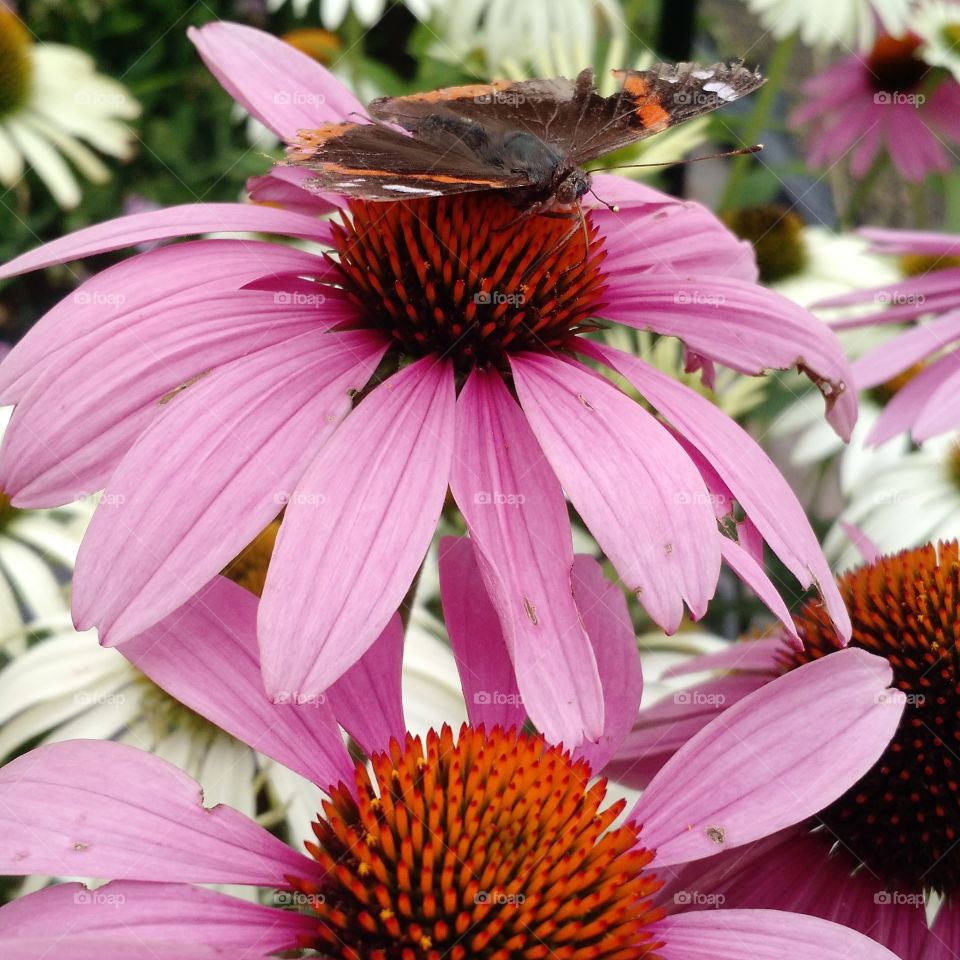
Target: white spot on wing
<point>405,188</point>
<point>723,90</point>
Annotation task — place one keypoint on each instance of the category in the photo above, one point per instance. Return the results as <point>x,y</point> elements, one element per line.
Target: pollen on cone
<point>464,278</point>
<point>486,845</point>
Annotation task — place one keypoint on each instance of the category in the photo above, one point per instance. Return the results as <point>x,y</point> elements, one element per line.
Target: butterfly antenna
<point>742,152</point>
<point>612,207</point>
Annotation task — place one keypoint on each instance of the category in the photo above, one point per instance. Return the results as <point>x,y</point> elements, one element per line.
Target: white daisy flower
<point>38,549</point>
<point>832,23</point>
<point>54,107</point>
<point>937,23</point>
<point>808,264</point>
<point>368,12</point>
<point>534,33</point>
<point>911,500</point>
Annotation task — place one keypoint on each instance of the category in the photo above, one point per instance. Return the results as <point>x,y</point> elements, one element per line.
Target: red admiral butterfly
<point>529,139</point>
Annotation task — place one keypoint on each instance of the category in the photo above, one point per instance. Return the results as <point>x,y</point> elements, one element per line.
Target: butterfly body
<point>528,139</point>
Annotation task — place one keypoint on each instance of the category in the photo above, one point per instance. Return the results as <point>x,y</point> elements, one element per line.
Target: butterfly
<point>528,139</point>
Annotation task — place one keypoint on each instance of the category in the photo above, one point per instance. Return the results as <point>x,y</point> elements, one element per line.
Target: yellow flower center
<point>776,235</point>
<point>16,66</point>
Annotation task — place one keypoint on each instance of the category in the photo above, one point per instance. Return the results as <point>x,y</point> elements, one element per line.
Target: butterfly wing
<point>649,101</point>
<point>376,162</point>
<point>542,107</point>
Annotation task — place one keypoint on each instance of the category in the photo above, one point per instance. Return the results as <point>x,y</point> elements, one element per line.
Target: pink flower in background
<point>871,858</point>
<point>885,103</point>
<point>210,384</point>
<point>409,854</point>
<point>928,404</point>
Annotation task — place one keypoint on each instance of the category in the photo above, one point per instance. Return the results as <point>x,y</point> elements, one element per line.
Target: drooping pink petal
<point>624,192</point>
<point>677,239</point>
<point>476,636</point>
<point>147,285</point>
<point>867,549</point>
<point>279,85</point>
<point>901,352</point>
<point>100,948</point>
<point>96,808</point>
<point>633,485</point>
<point>603,607</point>
<point>911,241</point>
<point>79,419</point>
<point>761,655</point>
<point>794,870</point>
<point>743,564</point>
<point>368,698</point>
<point>941,412</point>
<point>209,473</point>
<point>744,326</point>
<point>133,912</point>
<point>661,730</point>
<point>945,933</point>
<point>909,402</point>
<point>773,759</point>
<point>517,518</point>
<point>285,187</point>
<point>359,524</point>
<point>746,470</point>
<point>180,221</point>
<point>907,291</point>
<point>205,655</point>
<point>761,935</point>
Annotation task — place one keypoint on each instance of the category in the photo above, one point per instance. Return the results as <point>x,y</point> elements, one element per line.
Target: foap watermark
<point>102,498</point>
<point>709,499</point>
<point>497,498</point>
<point>505,98</point>
<point>100,98</point>
<point>99,898</point>
<point>299,98</point>
<point>298,899</point>
<point>498,898</point>
<point>898,898</point>
<point>699,298</point>
<point>87,699</point>
<point>497,698</point>
<point>895,298</point>
<point>99,298</point>
<point>298,699</point>
<point>897,698</point>
<point>297,298</point>
<point>900,98</point>
<point>286,498</point>
<point>697,698</point>
<point>495,298</point>
<point>698,98</point>
<point>696,898</point>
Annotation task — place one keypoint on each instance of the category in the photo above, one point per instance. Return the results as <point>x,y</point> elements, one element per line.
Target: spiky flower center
<point>894,64</point>
<point>776,235</point>
<point>902,820</point>
<point>488,845</point>
<point>249,567</point>
<point>464,278</point>
<point>16,65</point>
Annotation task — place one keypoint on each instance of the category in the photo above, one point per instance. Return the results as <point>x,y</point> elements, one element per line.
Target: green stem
<point>759,119</point>
<point>862,191</point>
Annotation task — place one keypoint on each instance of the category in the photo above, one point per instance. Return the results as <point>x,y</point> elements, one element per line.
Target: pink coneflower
<point>887,102</point>
<point>927,402</point>
<point>210,384</point>
<point>871,858</point>
<point>492,843</point>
